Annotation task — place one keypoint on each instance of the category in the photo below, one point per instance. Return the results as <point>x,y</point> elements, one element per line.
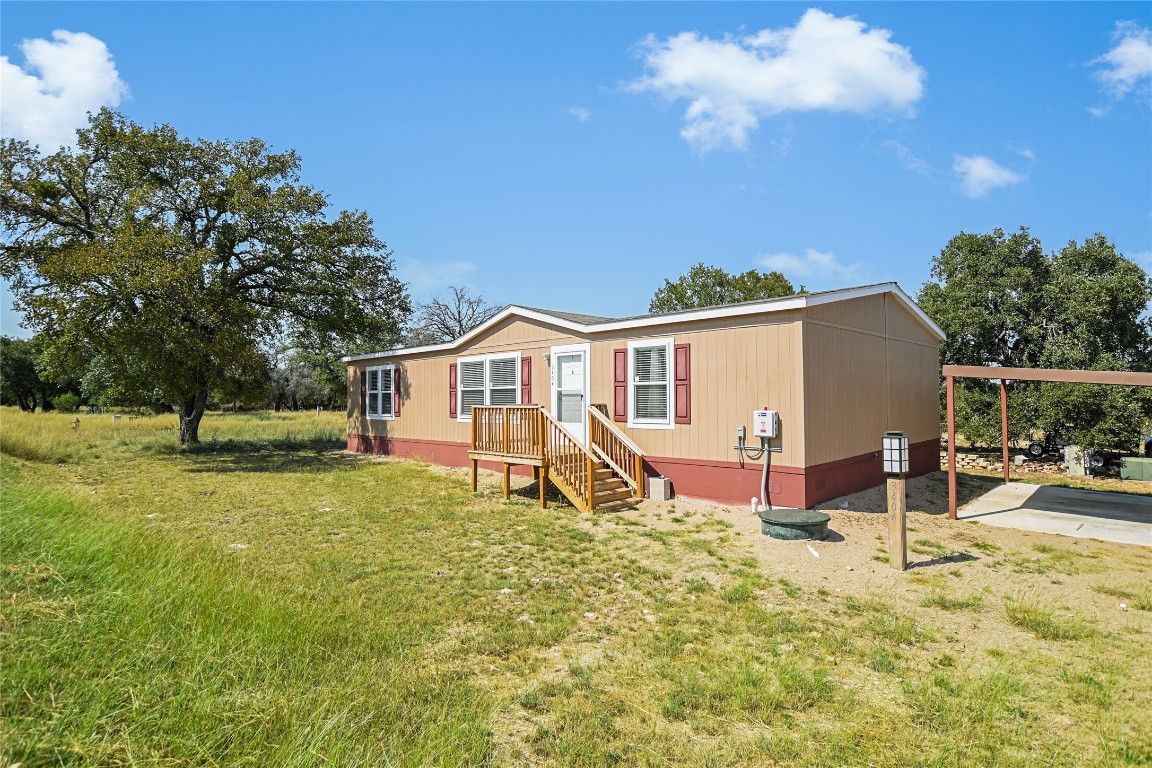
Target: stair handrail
<point>570,464</point>
<point>618,451</point>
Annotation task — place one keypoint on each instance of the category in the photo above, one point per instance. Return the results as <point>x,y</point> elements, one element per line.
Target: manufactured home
<point>605,408</point>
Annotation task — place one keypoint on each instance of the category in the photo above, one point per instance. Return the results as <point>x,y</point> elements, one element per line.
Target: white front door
<point>570,389</point>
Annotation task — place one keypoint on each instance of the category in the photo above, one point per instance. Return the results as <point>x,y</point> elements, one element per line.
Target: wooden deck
<point>597,477</point>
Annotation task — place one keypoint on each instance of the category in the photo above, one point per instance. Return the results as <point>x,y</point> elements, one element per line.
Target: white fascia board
<point>671,318</point>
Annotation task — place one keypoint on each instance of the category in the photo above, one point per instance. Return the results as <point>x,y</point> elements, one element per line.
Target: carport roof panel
<point>1127,378</point>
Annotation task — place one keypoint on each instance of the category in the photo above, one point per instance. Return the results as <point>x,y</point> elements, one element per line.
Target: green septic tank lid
<point>793,516</point>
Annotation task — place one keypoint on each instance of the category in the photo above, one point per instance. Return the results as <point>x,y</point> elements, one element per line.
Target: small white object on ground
<point>237,546</point>
<point>1123,606</point>
<point>812,549</point>
<point>506,591</point>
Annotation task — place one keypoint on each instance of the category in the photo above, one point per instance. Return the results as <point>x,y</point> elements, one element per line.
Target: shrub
<point>66,403</point>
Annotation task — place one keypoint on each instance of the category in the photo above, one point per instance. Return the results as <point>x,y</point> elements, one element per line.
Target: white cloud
<point>1128,63</point>
<point>62,80</point>
<point>813,266</point>
<point>427,278</point>
<point>580,113</point>
<point>908,158</point>
<point>823,63</point>
<point>979,175</point>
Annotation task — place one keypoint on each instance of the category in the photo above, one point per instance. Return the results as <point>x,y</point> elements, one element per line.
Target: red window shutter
<point>525,379</point>
<point>452,390</point>
<point>395,392</point>
<point>363,374</point>
<point>620,384</point>
<point>683,384</point>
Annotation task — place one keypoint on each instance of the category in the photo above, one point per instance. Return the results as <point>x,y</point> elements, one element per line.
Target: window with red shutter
<point>620,385</point>
<point>396,391</point>
<point>525,380</point>
<point>452,390</point>
<point>683,383</point>
<point>363,374</point>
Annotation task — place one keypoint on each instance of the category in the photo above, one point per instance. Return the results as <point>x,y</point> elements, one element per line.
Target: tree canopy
<point>179,262</point>
<point>1004,302</point>
<point>705,286</point>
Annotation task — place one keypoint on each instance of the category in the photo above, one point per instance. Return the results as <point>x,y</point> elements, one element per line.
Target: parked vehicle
<point>1052,443</point>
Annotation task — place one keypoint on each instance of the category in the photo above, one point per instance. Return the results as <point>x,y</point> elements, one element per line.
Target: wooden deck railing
<point>615,449</point>
<point>570,465</point>
<point>516,430</point>
<point>528,432</point>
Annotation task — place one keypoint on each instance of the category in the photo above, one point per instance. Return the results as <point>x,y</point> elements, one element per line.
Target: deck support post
<point>591,483</point>
<point>950,388</point>
<point>544,486</point>
<point>475,463</point>
<point>1004,428</point>
<point>507,480</point>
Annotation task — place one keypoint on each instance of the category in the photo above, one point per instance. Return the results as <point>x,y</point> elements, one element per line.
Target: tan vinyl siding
<point>734,372</point>
<point>865,314</point>
<point>863,384</point>
<point>903,324</point>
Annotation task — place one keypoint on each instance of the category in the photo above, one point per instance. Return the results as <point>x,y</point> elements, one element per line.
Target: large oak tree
<point>1004,302</point>
<point>179,261</point>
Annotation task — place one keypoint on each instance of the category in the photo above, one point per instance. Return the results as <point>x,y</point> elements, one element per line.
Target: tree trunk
<point>191,411</point>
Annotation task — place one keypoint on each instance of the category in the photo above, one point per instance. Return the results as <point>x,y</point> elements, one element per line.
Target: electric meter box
<point>765,423</point>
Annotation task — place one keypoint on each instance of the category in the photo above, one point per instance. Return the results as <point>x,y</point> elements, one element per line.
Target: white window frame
<point>381,393</point>
<point>487,359</point>
<point>669,347</point>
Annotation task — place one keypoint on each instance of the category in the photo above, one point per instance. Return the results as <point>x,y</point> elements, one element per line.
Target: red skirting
<point>722,481</point>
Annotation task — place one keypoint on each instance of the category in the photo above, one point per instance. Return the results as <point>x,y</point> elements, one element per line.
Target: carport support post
<point>951,390</point>
<point>1004,428</point>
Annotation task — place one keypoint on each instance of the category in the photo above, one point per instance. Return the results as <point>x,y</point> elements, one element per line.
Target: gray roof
<point>572,317</point>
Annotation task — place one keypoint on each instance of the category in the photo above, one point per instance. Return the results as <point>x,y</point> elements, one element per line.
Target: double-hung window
<point>379,388</point>
<point>650,384</point>
<point>488,380</point>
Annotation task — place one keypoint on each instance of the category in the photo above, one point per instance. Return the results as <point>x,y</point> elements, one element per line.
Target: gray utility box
<point>659,488</point>
<point>1134,468</point>
<point>1075,461</point>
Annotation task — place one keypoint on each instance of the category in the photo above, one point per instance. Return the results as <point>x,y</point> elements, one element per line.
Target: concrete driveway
<point>1069,511</point>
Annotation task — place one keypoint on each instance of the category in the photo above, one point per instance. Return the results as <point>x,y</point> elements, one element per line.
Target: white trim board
<point>784,304</point>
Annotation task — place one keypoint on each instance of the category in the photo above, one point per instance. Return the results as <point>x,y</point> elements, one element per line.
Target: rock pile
<point>982,463</point>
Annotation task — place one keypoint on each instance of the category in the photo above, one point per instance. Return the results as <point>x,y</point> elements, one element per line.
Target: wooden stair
<point>607,475</point>
<point>610,492</point>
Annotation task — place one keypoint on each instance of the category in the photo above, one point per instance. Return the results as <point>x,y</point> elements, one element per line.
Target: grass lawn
<point>266,600</point>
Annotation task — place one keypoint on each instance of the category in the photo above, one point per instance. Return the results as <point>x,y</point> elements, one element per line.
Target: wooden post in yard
<point>897,524</point>
<point>507,481</point>
<point>951,390</point>
<point>543,487</point>
<point>1004,427</point>
<point>474,464</point>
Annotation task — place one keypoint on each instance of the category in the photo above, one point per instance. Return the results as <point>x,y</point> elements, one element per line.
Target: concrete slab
<point>1068,511</point>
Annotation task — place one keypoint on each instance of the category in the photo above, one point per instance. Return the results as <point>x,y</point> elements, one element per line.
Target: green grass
<point>264,599</point>
<point>1045,623</point>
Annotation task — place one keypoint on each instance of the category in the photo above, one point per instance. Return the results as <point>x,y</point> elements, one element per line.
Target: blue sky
<point>572,156</point>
